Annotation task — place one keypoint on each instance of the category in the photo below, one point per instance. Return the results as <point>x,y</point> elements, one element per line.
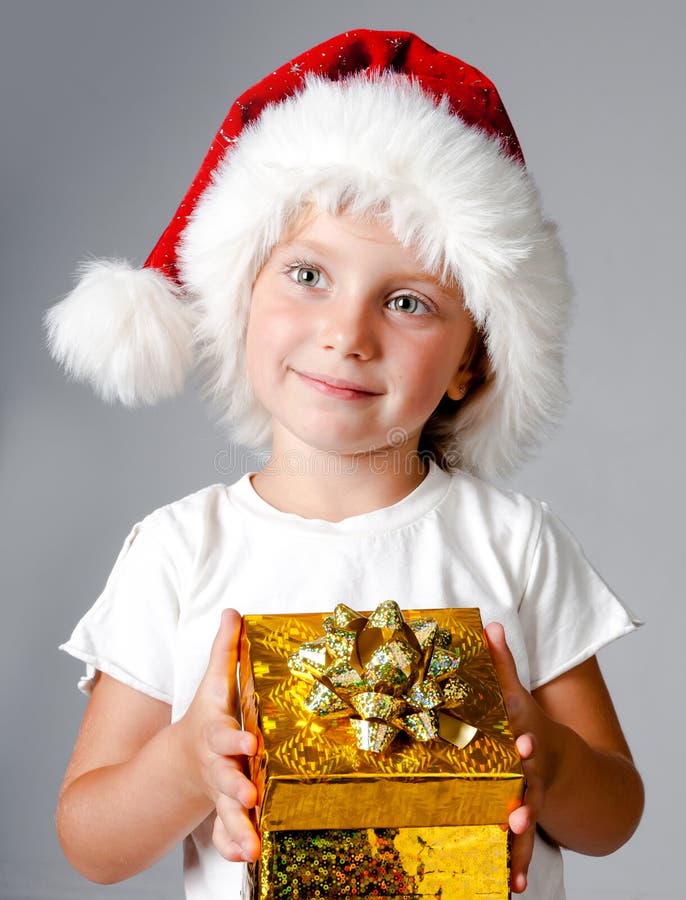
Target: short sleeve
<point>567,612</point>
<point>130,631</point>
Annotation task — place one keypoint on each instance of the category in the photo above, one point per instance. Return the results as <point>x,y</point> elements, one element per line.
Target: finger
<point>526,815</point>
<point>504,665</point>
<point>226,738</point>
<point>227,779</point>
<point>521,819</point>
<point>526,746</point>
<point>520,856</point>
<point>502,657</point>
<point>237,828</point>
<point>226,847</point>
<point>220,674</point>
<point>232,849</point>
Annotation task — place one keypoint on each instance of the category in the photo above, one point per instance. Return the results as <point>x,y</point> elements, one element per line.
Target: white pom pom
<point>124,330</point>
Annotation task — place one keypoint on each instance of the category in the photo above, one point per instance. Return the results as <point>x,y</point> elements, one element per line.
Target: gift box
<point>385,765</point>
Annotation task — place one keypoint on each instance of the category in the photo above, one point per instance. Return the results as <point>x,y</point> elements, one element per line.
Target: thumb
<point>220,675</point>
<point>505,666</point>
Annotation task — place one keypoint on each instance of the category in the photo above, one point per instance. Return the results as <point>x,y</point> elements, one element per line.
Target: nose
<point>347,326</point>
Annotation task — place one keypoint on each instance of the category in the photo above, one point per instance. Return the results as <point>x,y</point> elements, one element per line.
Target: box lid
<point>310,774</point>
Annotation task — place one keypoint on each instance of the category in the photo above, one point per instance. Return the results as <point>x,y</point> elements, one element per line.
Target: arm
<point>582,787</point>
<point>136,784</point>
<point>594,799</point>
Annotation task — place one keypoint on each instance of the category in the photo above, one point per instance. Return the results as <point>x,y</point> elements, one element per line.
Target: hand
<point>531,727</point>
<point>217,746</point>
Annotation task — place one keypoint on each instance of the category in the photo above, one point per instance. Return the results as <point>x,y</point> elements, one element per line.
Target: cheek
<point>271,338</point>
<point>259,351</point>
<point>251,344</point>
<point>444,364</point>
<point>429,376</point>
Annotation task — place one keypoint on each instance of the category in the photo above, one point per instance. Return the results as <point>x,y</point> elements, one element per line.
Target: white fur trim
<point>446,188</point>
<point>126,331</point>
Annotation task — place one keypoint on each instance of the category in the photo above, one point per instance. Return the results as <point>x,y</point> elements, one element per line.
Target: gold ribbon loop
<point>323,701</point>
<point>425,695</point>
<point>371,670</point>
<point>371,705</point>
<point>423,725</point>
<point>341,676</point>
<point>455,731</point>
<point>443,664</point>
<point>371,735</point>
<point>310,659</point>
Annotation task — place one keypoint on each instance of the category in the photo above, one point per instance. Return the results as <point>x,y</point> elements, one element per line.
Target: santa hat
<point>369,120</point>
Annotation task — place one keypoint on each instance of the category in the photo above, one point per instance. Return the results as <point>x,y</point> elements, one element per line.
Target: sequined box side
<point>445,863</point>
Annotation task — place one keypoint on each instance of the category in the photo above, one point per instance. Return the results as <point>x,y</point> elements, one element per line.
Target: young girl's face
<point>351,344</point>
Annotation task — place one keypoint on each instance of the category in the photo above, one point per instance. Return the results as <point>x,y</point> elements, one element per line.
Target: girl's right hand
<point>217,747</point>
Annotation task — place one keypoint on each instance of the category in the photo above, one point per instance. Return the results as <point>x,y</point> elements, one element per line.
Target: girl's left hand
<point>535,744</point>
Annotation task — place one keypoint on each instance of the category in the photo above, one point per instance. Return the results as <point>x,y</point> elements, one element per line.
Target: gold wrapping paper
<point>311,776</point>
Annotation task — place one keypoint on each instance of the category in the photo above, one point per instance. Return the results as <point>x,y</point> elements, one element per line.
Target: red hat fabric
<point>370,121</point>
<point>471,95</point>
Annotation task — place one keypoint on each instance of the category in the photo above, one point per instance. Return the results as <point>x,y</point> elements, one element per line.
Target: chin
<point>319,441</point>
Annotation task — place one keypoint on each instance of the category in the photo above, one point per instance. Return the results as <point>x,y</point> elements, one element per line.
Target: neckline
<point>425,497</point>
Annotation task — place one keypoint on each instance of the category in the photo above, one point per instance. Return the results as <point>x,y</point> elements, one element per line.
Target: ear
<point>459,384</point>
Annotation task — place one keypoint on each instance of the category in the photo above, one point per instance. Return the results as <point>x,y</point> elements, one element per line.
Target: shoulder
<point>198,505</point>
<point>180,527</point>
<point>494,529</point>
<point>500,510</point>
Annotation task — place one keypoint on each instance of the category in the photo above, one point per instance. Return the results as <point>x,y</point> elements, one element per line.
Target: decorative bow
<point>386,675</point>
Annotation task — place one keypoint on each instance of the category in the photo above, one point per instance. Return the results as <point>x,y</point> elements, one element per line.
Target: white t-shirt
<point>454,541</point>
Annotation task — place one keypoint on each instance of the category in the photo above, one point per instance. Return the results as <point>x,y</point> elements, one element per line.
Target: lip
<point>336,386</point>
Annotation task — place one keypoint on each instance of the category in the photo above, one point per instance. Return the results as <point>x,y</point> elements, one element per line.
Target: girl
<point>363,269</point>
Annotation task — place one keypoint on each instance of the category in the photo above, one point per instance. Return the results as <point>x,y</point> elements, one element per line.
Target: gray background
<point>107,109</point>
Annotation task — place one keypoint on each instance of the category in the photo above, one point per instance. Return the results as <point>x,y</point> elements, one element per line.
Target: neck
<point>318,485</point>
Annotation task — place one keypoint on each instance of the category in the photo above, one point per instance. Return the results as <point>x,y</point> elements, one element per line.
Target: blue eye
<point>407,303</point>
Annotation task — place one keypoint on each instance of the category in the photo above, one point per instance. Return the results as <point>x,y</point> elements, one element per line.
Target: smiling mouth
<point>336,387</point>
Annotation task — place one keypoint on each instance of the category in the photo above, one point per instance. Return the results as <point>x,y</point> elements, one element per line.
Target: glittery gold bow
<point>386,675</point>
